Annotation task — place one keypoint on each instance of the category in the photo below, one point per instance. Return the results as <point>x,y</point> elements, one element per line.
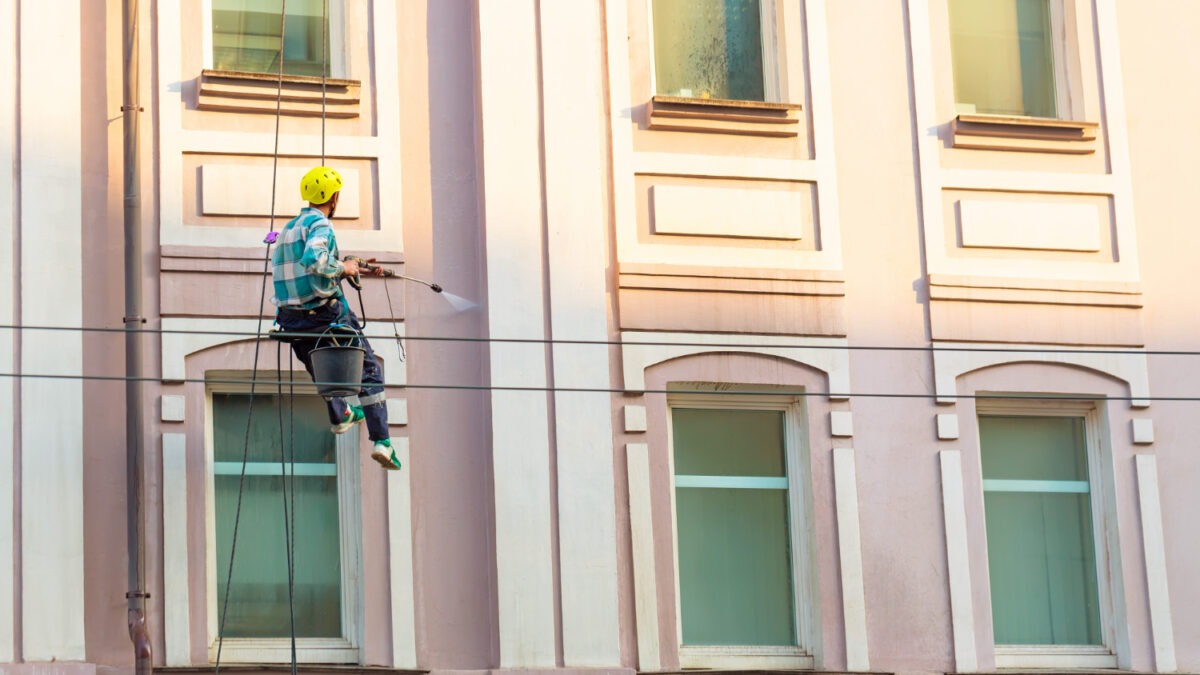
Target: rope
<point>237,518</point>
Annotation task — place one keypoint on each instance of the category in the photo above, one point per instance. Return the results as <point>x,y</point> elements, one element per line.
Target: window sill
<point>1023,134</point>
<point>1054,656</point>
<point>257,93</point>
<point>324,651</point>
<point>744,658</point>
<point>722,116</point>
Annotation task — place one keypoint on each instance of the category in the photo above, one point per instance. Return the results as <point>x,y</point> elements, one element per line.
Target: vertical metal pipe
<point>130,108</point>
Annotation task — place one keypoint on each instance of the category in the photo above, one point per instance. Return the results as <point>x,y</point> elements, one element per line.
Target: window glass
<point>1003,54</point>
<point>735,580</point>
<point>1041,547</point>
<point>258,601</point>
<point>708,49</point>
<point>246,36</point>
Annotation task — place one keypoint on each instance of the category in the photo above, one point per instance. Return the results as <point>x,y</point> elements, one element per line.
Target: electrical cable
<point>1017,348</point>
<point>625,391</point>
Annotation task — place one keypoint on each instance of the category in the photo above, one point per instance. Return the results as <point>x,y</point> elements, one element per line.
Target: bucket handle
<point>340,335</point>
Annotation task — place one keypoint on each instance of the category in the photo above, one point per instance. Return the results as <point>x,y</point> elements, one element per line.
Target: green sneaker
<point>386,455</point>
<point>353,416</point>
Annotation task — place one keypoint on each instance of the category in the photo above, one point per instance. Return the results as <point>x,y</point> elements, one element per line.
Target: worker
<point>307,276</point>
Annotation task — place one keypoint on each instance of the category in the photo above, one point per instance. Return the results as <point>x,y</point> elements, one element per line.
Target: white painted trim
<point>174,141</point>
<point>934,178</point>
<point>958,563</point>
<point>823,170</point>
<point>510,182</point>
<point>645,584</point>
<point>1053,657</point>
<point>953,362</point>
<point>825,354</point>
<point>176,347</point>
<point>1154,548</point>
<point>400,559</point>
<point>572,87</point>
<point>206,34</point>
<point>854,603</point>
<point>177,627</point>
<point>8,316</point>
<point>51,184</point>
<point>724,166</point>
<point>800,531</point>
<point>278,650</point>
<point>737,658</point>
<point>1114,624</point>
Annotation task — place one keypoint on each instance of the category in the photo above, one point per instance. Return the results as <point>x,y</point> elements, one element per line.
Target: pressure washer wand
<point>377,270</point>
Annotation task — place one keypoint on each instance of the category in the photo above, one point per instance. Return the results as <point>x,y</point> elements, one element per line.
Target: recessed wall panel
<point>1029,225</point>
<point>730,212</point>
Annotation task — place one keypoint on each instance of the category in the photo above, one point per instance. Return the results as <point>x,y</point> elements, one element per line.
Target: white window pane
<point>246,36</point>
<point>708,49</point>
<point>735,580</point>
<point>1003,57</point>
<point>1041,547</point>
<point>258,600</point>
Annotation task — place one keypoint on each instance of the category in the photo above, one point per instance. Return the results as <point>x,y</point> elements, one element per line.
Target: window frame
<point>1062,45</point>
<point>773,74</point>
<point>800,530</point>
<point>1097,448</point>
<point>339,64</point>
<point>346,649</point>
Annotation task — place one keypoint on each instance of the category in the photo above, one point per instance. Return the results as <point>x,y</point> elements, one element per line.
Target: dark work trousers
<point>371,396</point>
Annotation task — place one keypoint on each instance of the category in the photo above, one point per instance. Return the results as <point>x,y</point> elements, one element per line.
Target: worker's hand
<point>350,267</point>
<point>372,269</point>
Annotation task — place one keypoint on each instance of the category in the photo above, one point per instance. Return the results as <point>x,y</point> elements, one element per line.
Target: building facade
<point>835,335</point>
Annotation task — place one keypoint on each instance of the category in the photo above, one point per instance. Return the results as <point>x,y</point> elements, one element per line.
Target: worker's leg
<point>372,397</point>
<point>299,322</point>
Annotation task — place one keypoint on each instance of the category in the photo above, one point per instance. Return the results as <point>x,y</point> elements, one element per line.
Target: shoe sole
<point>344,427</point>
<point>384,461</point>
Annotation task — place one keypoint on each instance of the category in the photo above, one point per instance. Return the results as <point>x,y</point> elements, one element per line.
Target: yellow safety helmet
<point>319,185</point>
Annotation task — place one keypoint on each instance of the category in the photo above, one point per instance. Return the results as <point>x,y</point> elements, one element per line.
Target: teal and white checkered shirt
<point>305,264</point>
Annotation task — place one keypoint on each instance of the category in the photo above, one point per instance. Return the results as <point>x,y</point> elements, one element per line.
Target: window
<point>738,515</point>
<point>257,625</point>
<point>714,49</point>
<point>1041,541</point>
<point>1007,57</point>
<point>245,37</point>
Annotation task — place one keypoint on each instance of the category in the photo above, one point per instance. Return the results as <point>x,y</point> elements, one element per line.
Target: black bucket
<point>337,369</point>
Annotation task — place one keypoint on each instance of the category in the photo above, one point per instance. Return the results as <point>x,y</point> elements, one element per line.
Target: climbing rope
<point>287,450</point>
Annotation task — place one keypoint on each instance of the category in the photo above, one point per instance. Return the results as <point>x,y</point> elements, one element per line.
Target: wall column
<point>51,292</point>
<point>510,128</point>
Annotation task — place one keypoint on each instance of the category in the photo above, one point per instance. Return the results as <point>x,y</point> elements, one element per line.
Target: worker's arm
<point>317,259</point>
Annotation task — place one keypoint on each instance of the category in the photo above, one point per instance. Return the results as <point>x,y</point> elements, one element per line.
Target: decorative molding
<point>713,211</point>
<point>400,559</point>
<point>645,584</point>
<point>172,408</point>
<point>1142,431</point>
<point>841,423</point>
<point>174,141</point>
<point>947,426</point>
<point>223,190</point>
<point>829,355</point>
<point>1049,226</point>
<point>854,603</point>
<point>722,116</point>
<point>1154,548</point>
<point>182,337</point>
<point>233,91</point>
<point>177,627</point>
<point>635,418</point>
<point>952,360</point>
<point>1023,134</point>
<point>958,563</point>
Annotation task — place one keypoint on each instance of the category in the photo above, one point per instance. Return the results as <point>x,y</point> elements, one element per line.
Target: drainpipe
<point>136,596</point>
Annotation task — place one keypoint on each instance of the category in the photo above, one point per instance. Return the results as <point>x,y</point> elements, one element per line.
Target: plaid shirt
<point>305,264</point>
